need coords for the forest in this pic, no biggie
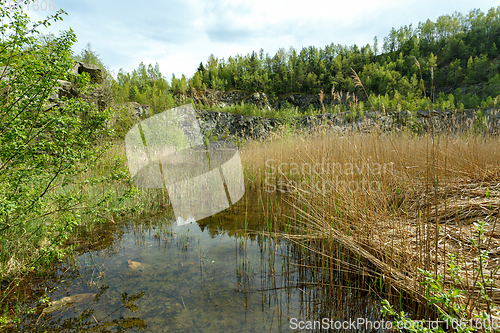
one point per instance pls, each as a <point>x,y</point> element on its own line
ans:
<point>446,64</point>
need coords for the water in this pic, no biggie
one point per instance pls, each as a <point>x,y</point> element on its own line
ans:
<point>210,276</point>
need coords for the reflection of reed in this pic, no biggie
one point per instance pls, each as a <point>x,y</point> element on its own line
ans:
<point>287,270</point>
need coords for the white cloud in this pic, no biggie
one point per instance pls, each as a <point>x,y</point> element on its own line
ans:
<point>179,34</point>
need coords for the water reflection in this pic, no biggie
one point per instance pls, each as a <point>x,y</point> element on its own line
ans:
<point>208,276</point>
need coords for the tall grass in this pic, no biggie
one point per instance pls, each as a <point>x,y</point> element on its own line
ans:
<point>381,206</point>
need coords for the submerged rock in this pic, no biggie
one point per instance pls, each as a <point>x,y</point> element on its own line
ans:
<point>135,265</point>
<point>65,301</point>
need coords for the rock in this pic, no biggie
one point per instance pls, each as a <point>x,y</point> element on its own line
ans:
<point>80,298</point>
<point>66,89</point>
<point>139,110</point>
<point>94,71</point>
<point>136,266</point>
<point>133,264</point>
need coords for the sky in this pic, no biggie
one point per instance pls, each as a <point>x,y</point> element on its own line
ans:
<point>179,34</point>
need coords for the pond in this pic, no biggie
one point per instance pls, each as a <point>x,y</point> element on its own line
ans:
<point>209,276</point>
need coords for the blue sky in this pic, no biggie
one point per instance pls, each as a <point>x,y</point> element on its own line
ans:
<point>179,34</point>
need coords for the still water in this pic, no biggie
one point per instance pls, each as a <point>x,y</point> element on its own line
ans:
<point>209,276</point>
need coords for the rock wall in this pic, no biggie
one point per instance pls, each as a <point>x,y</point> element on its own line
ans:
<point>222,125</point>
<point>263,101</point>
<point>211,97</point>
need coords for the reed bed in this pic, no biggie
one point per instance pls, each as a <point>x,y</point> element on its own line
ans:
<point>381,206</point>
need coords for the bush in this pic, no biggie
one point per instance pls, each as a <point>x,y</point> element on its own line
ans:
<point>44,146</point>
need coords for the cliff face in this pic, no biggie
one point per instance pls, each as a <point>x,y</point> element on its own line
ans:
<point>211,97</point>
<point>100,96</point>
<point>222,125</point>
<point>218,125</point>
<point>261,100</point>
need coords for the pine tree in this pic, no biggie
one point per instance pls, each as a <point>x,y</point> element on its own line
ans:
<point>493,50</point>
<point>196,81</point>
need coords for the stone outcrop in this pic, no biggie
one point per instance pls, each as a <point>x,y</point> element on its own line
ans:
<point>223,125</point>
<point>263,101</point>
<point>139,110</point>
<point>94,71</point>
<point>69,89</point>
<point>65,89</point>
<point>211,97</point>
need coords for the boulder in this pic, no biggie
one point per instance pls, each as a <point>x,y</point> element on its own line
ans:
<point>260,100</point>
<point>67,301</point>
<point>66,89</point>
<point>94,71</point>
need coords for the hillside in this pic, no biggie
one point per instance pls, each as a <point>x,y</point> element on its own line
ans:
<point>450,63</point>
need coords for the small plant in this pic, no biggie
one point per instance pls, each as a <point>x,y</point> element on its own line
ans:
<point>358,83</point>
<point>321,98</point>
<point>480,122</point>
<point>453,312</point>
<point>351,116</point>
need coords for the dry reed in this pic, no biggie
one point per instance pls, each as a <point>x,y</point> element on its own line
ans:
<point>394,202</point>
